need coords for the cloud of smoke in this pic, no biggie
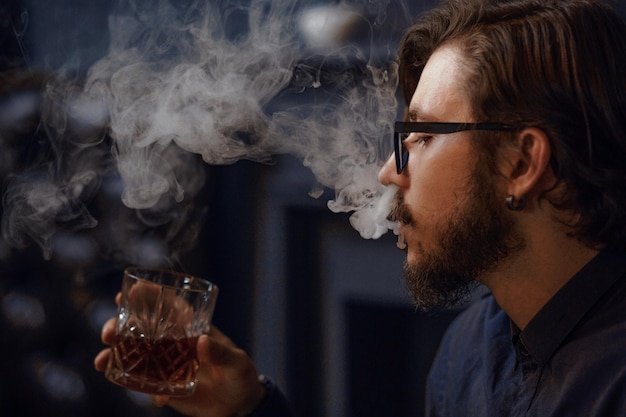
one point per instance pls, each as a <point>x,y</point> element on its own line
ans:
<point>225,81</point>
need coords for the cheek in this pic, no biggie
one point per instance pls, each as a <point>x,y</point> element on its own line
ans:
<point>437,186</point>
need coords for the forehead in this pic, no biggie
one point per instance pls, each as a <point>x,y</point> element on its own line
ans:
<point>441,94</point>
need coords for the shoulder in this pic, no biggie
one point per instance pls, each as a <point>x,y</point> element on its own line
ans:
<point>481,318</point>
<point>596,356</point>
<point>481,328</point>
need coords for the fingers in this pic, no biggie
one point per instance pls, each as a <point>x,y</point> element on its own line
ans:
<point>216,353</point>
<point>101,360</point>
<point>160,400</point>
<point>107,335</point>
<point>203,350</point>
<point>214,348</point>
<point>212,351</point>
<point>108,332</point>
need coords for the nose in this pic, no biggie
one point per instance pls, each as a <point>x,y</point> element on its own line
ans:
<point>389,175</point>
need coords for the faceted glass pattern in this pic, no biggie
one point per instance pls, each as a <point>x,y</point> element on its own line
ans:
<point>161,315</point>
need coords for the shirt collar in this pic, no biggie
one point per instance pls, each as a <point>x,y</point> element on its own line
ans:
<point>551,325</point>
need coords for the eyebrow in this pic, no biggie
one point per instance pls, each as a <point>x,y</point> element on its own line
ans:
<point>412,115</point>
<point>415,115</point>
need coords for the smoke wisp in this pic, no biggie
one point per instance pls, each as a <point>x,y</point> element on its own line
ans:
<point>224,81</point>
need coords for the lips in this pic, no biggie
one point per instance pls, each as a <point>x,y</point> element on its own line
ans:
<point>401,243</point>
<point>400,214</point>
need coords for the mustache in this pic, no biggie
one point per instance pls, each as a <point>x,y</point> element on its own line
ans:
<point>400,211</point>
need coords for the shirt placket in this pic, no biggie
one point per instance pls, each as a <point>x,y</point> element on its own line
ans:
<point>531,373</point>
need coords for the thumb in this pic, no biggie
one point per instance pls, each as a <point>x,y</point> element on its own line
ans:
<point>216,353</point>
<point>204,357</point>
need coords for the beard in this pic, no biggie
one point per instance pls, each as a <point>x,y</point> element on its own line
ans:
<point>478,234</point>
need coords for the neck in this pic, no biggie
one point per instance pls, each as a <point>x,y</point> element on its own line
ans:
<point>527,281</point>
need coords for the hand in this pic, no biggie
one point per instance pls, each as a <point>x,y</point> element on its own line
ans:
<point>227,378</point>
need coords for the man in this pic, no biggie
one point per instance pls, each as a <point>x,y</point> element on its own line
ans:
<point>530,203</point>
<point>511,174</point>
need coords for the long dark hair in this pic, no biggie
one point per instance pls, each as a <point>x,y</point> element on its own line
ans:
<point>559,65</point>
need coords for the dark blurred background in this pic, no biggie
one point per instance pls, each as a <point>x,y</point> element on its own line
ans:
<point>320,309</point>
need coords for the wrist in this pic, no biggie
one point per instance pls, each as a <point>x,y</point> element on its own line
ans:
<point>264,387</point>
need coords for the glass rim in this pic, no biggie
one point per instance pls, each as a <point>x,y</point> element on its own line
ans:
<point>178,280</point>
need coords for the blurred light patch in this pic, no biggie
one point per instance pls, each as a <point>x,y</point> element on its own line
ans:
<point>74,248</point>
<point>61,382</point>
<point>99,312</point>
<point>113,187</point>
<point>329,26</point>
<point>18,107</point>
<point>141,399</point>
<point>87,114</point>
<point>23,310</point>
<point>149,252</point>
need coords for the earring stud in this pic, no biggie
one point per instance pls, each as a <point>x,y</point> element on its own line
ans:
<point>515,206</point>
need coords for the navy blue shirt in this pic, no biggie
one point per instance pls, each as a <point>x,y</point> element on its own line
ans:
<point>570,360</point>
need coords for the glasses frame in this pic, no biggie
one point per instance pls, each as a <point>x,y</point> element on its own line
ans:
<point>402,130</point>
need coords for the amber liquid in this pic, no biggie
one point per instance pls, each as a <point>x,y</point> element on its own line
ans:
<point>165,366</point>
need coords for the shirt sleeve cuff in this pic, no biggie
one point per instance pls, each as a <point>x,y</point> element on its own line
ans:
<point>274,404</point>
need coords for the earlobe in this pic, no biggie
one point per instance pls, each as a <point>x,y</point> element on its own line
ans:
<point>515,205</point>
<point>530,163</point>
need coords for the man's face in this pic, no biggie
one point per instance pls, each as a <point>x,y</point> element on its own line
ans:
<point>478,233</point>
<point>455,225</point>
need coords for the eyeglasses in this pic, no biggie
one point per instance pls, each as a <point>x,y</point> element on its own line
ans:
<point>402,131</point>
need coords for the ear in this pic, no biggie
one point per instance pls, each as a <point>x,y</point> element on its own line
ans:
<point>528,168</point>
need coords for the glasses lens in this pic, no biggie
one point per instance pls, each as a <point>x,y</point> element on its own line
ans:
<point>401,154</point>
